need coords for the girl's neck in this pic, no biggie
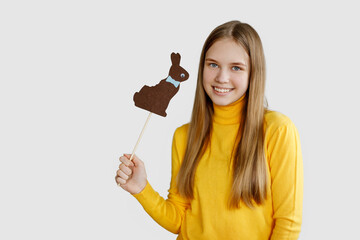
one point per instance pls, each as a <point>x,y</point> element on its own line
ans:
<point>229,114</point>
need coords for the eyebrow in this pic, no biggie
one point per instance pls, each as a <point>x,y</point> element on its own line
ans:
<point>233,63</point>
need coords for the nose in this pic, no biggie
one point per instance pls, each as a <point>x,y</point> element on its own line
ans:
<point>222,76</point>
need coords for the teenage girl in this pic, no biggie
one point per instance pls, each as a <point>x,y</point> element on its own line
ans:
<point>237,168</point>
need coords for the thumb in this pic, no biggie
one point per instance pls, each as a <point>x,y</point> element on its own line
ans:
<point>135,159</point>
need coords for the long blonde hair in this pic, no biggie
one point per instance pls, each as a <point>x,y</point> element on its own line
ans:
<point>249,166</point>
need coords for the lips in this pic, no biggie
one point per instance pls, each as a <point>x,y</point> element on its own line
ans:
<point>222,90</point>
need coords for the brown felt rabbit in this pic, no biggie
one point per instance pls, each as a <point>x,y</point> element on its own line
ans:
<point>156,99</point>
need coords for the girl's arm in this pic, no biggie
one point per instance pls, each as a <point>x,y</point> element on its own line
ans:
<point>286,170</point>
<point>170,212</point>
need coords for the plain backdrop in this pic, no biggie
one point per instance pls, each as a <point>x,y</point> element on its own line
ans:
<point>69,69</point>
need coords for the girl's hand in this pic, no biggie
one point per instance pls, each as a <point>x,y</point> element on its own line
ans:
<point>131,175</point>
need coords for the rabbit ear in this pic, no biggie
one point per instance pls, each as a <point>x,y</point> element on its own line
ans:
<point>175,58</point>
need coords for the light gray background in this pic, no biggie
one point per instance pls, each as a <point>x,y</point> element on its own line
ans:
<point>68,70</point>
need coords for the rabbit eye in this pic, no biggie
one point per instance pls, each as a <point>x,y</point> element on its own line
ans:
<point>182,75</point>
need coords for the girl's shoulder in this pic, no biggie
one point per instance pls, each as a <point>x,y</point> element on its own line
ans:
<point>180,139</point>
<point>274,121</point>
<point>281,138</point>
<point>181,132</point>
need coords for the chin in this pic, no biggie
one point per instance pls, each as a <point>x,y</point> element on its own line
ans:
<point>222,102</point>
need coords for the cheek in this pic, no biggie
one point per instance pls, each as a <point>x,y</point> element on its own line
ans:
<point>207,76</point>
<point>206,82</point>
<point>242,81</point>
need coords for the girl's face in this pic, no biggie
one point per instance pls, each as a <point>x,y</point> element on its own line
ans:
<point>226,72</point>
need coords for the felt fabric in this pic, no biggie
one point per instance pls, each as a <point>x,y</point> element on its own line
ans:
<point>157,98</point>
<point>207,215</point>
<point>174,82</point>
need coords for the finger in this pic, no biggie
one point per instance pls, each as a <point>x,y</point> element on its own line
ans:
<point>131,168</point>
<point>122,175</point>
<point>137,161</point>
<point>120,181</point>
<point>125,169</point>
<point>128,156</point>
<point>126,161</point>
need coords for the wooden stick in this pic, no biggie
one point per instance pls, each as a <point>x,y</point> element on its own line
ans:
<point>142,132</point>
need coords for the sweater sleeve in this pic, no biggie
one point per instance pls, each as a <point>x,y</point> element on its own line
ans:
<point>170,212</point>
<point>286,172</point>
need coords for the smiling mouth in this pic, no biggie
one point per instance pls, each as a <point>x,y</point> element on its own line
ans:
<point>222,90</point>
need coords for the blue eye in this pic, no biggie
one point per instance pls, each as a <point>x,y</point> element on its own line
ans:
<point>236,68</point>
<point>213,65</point>
<point>182,75</point>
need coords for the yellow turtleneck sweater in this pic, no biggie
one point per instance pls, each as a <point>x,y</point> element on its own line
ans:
<point>207,216</point>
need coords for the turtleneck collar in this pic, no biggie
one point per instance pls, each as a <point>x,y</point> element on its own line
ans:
<point>229,114</point>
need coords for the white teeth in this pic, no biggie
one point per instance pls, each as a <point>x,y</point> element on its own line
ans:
<point>221,90</point>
